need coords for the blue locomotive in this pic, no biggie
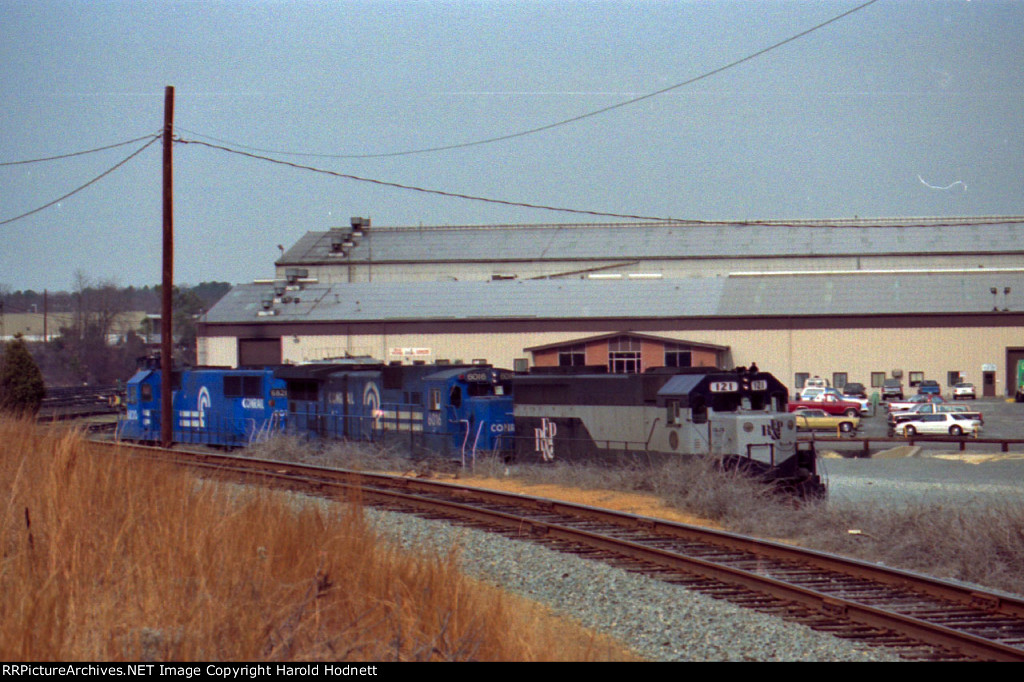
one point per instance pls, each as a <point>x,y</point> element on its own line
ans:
<point>221,407</point>
<point>455,411</point>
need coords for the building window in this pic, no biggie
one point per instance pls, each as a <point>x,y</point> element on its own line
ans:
<point>916,378</point>
<point>573,356</point>
<point>678,356</point>
<point>838,379</point>
<point>624,356</point>
<point>953,378</point>
<point>800,378</point>
<point>877,379</point>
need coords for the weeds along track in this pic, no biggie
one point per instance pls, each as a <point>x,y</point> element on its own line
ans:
<point>916,616</point>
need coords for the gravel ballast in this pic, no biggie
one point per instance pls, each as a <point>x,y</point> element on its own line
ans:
<point>659,621</point>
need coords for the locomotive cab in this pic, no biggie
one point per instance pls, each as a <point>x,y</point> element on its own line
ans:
<point>468,410</point>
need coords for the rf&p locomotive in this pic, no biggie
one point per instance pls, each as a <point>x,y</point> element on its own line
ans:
<point>738,417</point>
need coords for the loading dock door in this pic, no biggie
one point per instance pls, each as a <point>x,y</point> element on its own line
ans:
<point>259,352</point>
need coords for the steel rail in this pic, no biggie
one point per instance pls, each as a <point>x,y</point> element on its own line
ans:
<point>825,576</point>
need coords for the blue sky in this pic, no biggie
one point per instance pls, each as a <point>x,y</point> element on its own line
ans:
<point>904,108</point>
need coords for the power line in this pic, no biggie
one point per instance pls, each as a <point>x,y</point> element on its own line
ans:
<point>68,156</point>
<point>567,121</point>
<point>93,181</point>
<point>976,221</point>
<point>414,188</point>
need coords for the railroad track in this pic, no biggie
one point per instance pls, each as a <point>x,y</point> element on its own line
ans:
<point>916,616</point>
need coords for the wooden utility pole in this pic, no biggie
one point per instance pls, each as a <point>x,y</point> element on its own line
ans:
<point>167,308</point>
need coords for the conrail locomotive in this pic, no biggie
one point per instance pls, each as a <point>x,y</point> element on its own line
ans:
<point>458,412</point>
<point>454,411</point>
<point>738,417</point>
<point>223,407</point>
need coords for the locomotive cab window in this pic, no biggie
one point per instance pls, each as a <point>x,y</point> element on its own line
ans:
<point>455,397</point>
<point>672,413</point>
<point>237,386</point>
<point>147,392</point>
<point>698,410</point>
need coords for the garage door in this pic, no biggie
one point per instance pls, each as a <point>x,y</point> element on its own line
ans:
<point>259,352</point>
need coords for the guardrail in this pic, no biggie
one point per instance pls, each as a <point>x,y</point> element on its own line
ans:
<point>962,441</point>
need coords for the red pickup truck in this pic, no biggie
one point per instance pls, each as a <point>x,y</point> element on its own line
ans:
<point>829,403</point>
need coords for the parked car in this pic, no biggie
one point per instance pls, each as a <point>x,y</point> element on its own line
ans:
<point>855,390</point>
<point>820,395</point>
<point>892,388</point>
<point>896,418</point>
<point>827,402</point>
<point>951,423</point>
<point>819,420</point>
<point>964,391</point>
<point>929,387</point>
<point>914,401</point>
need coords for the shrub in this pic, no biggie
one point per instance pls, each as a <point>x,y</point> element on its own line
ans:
<point>21,383</point>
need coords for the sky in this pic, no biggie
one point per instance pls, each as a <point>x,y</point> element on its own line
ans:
<point>902,108</point>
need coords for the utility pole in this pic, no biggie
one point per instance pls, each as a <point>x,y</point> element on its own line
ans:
<point>166,312</point>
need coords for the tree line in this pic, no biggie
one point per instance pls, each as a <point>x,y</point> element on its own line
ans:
<point>93,346</point>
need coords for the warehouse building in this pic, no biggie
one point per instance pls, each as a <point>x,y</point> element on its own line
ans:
<point>849,301</point>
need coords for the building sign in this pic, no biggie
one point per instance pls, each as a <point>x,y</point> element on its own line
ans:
<point>410,352</point>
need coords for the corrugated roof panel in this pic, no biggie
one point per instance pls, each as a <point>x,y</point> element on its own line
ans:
<point>756,295</point>
<point>627,241</point>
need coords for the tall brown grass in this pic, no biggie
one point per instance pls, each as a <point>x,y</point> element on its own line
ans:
<point>110,558</point>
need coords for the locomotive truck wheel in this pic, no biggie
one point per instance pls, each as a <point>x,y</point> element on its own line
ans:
<point>955,431</point>
<point>909,431</point>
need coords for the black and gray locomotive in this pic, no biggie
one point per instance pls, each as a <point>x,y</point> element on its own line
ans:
<point>738,417</point>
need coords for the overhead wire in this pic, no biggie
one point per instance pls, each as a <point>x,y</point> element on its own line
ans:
<point>96,179</point>
<point>841,222</point>
<point>384,183</point>
<point>82,153</point>
<point>556,124</point>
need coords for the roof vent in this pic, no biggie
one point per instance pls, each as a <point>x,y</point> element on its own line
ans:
<point>293,275</point>
<point>359,226</point>
<point>267,301</point>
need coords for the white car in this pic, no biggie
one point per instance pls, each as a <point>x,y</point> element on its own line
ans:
<point>944,423</point>
<point>911,403</point>
<point>964,391</point>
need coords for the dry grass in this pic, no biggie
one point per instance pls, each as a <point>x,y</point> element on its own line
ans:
<point>982,544</point>
<point>112,559</point>
<point>974,543</point>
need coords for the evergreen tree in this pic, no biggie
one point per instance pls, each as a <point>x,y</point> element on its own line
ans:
<point>21,382</point>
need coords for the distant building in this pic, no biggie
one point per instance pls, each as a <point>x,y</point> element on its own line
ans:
<point>863,300</point>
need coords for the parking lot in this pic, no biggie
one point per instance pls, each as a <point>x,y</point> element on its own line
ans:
<point>1002,420</point>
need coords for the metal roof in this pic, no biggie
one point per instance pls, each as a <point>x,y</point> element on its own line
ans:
<point>732,296</point>
<point>627,241</point>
